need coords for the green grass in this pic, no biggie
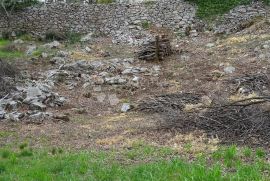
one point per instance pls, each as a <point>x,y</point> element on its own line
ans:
<point>8,54</point>
<point>105,1</point>
<point>4,42</point>
<point>25,165</point>
<point>146,25</point>
<point>208,9</point>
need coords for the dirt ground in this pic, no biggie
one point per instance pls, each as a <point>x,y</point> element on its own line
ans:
<point>194,68</point>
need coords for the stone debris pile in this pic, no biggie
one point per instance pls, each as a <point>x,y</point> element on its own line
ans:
<point>100,72</point>
<point>31,102</point>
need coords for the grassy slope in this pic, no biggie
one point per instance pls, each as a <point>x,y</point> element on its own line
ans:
<point>224,164</point>
<point>208,9</point>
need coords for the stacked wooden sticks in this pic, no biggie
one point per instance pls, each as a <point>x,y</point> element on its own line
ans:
<point>156,49</point>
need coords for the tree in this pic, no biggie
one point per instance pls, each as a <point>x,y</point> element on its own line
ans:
<point>9,6</point>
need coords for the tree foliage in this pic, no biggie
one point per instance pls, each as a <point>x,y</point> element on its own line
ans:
<point>13,5</point>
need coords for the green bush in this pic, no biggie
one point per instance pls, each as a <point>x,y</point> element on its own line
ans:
<point>6,35</point>
<point>70,37</point>
<point>55,35</point>
<point>73,38</point>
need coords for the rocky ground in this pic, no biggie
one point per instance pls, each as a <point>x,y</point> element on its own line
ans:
<point>89,95</point>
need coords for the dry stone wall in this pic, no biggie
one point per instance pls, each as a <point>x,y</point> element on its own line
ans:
<point>240,17</point>
<point>108,19</point>
<point>123,22</point>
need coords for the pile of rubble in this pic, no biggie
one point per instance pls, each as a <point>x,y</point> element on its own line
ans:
<point>30,102</point>
<point>131,37</point>
<point>89,73</point>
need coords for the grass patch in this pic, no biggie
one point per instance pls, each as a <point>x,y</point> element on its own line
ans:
<point>93,165</point>
<point>146,25</point>
<point>73,38</point>
<point>105,1</point>
<point>149,3</point>
<point>5,54</point>
<point>3,43</point>
<point>208,9</point>
<point>4,134</point>
<point>70,37</point>
<point>10,55</point>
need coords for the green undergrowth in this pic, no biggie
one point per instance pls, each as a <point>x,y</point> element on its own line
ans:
<point>8,53</point>
<point>139,162</point>
<point>208,9</point>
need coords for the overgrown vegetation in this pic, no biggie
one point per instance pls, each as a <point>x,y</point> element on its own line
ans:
<point>7,51</point>
<point>10,5</point>
<point>149,3</point>
<point>7,35</point>
<point>105,1</point>
<point>70,37</point>
<point>211,8</point>
<point>146,25</point>
<point>228,163</point>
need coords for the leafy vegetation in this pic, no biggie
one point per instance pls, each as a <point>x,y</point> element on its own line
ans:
<point>73,38</point>
<point>210,8</point>
<point>225,164</point>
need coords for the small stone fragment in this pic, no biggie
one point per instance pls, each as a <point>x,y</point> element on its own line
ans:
<point>229,69</point>
<point>126,107</point>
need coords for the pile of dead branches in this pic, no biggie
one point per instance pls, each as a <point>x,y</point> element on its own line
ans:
<point>258,82</point>
<point>155,49</point>
<point>164,102</point>
<point>242,122</point>
<point>246,121</point>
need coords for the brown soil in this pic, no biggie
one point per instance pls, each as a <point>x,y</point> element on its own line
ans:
<point>195,69</point>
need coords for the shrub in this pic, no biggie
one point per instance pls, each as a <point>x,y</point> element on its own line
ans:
<point>73,37</point>
<point>26,37</point>
<point>6,35</point>
<point>55,35</point>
